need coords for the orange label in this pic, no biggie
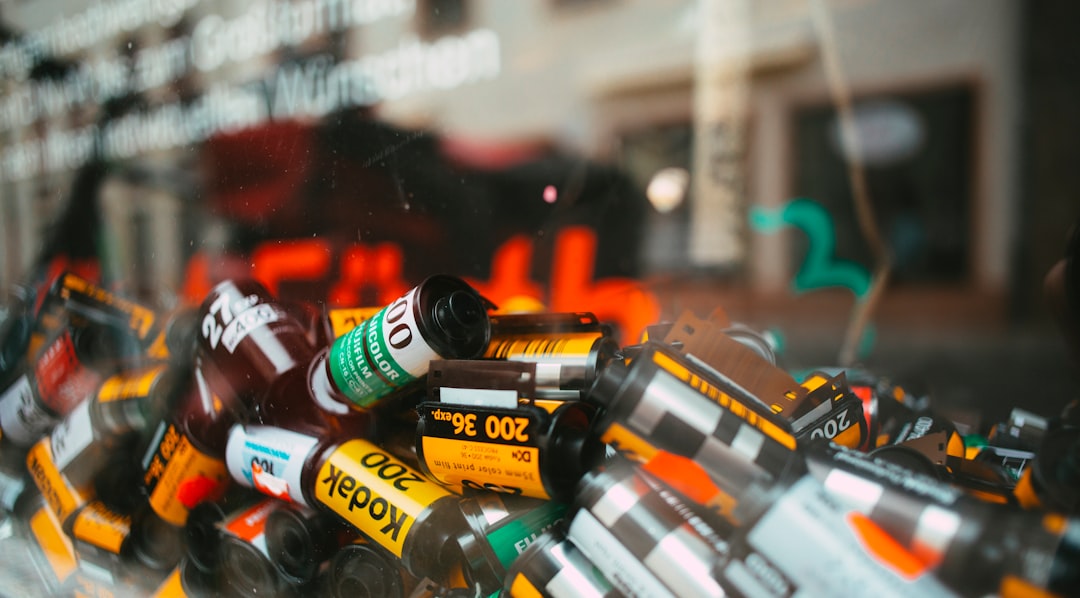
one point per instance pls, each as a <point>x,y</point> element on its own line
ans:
<point>376,493</point>
<point>129,385</point>
<point>851,437</point>
<point>885,548</point>
<point>54,544</point>
<point>62,497</point>
<point>689,478</point>
<point>99,526</point>
<point>252,522</point>
<point>501,467</point>
<point>179,476</point>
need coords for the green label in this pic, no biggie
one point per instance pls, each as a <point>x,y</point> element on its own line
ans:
<point>511,539</point>
<point>374,359</point>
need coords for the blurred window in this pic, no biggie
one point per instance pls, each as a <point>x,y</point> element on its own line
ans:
<point>917,152</point>
<point>649,155</point>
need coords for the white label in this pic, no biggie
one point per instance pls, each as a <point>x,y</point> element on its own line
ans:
<point>479,397</point>
<point>548,374</point>
<point>617,564</point>
<point>806,536</point>
<point>22,420</point>
<point>73,435</point>
<point>268,459</point>
<point>248,320</point>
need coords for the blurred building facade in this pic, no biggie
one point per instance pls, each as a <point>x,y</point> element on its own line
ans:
<point>736,101</point>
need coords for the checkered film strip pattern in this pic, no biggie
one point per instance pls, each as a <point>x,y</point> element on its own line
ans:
<point>945,527</point>
<point>685,413</point>
<point>663,551</point>
<point>918,512</point>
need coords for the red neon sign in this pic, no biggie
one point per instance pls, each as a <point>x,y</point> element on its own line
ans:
<point>622,301</point>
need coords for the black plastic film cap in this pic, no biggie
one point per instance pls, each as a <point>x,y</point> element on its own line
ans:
<point>358,571</point>
<point>182,334</point>
<point>461,315</point>
<point>202,540</point>
<point>297,544</point>
<point>246,570</point>
<point>157,544</point>
<point>607,384</point>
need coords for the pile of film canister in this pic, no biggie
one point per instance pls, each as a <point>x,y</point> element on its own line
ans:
<point>435,447</point>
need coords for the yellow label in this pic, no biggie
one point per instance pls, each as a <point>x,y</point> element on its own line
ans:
<point>376,493</point>
<point>523,588</point>
<point>851,437</point>
<point>540,346</point>
<point>485,465</point>
<point>141,317</point>
<point>180,476</point>
<point>549,405</point>
<point>724,400</point>
<point>129,385</point>
<point>62,497</point>
<point>158,349</point>
<point>344,320</point>
<point>172,587</point>
<point>628,443</point>
<point>101,527</point>
<point>54,544</point>
<point>955,448</point>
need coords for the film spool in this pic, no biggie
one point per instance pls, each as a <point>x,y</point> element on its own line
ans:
<point>154,542</point>
<point>553,566</point>
<point>501,527</point>
<point>442,318</point>
<point>640,542</point>
<point>300,540</point>
<point>247,571</point>
<point>663,401</point>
